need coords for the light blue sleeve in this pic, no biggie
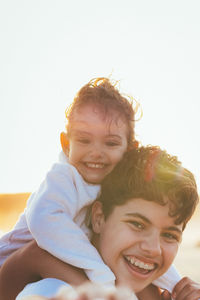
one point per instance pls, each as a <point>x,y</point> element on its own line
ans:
<point>47,287</point>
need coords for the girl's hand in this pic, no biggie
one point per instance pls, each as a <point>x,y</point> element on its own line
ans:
<point>166,295</point>
<point>185,289</point>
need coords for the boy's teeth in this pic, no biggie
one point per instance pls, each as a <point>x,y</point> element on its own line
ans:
<point>93,165</point>
<point>140,264</point>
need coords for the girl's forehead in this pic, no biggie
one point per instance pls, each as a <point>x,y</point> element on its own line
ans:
<point>98,111</point>
<point>96,116</point>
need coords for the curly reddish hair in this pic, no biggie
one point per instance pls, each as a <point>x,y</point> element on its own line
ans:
<point>104,94</point>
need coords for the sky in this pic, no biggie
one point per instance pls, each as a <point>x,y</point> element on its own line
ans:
<point>50,49</point>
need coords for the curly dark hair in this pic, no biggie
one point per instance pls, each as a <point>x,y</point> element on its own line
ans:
<point>151,174</point>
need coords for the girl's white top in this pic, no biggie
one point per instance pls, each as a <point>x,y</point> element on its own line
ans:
<point>54,217</point>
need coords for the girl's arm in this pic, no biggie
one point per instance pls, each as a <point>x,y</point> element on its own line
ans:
<point>50,218</point>
<point>30,264</point>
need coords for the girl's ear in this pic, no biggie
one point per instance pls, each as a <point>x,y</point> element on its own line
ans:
<point>64,142</point>
<point>97,217</point>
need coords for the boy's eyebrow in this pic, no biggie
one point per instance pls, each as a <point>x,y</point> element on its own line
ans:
<point>171,228</point>
<point>174,228</point>
<point>140,216</point>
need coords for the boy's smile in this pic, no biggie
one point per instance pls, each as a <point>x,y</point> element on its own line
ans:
<point>138,241</point>
<point>96,142</point>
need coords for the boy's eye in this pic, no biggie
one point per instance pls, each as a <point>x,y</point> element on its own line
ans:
<point>137,224</point>
<point>171,237</point>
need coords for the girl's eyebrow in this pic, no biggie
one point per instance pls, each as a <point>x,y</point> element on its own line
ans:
<point>171,228</point>
<point>88,133</point>
<point>80,131</point>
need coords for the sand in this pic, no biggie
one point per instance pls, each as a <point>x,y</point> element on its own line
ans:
<point>188,257</point>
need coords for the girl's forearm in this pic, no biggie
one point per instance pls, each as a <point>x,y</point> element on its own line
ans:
<point>30,264</point>
<point>50,266</point>
<point>14,275</point>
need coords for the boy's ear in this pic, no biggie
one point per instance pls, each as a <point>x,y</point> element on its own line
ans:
<point>97,217</point>
<point>64,142</point>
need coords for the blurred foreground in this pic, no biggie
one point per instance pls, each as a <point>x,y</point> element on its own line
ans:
<point>187,260</point>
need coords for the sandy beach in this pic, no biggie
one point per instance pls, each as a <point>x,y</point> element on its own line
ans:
<point>187,260</point>
<point>188,257</point>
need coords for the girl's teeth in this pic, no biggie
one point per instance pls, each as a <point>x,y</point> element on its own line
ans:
<point>96,166</point>
<point>140,264</point>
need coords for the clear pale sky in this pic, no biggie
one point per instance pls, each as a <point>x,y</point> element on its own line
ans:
<point>49,49</point>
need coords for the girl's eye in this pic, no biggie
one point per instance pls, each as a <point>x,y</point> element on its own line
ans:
<point>83,141</point>
<point>112,143</point>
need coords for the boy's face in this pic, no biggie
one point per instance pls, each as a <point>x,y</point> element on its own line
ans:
<point>138,241</point>
<point>96,143</point>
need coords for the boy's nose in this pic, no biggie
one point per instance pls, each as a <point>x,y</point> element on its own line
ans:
<point>151,245</point>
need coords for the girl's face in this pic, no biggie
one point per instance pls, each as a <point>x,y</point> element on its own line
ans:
<point>96,142</point>
<point>138,241</point>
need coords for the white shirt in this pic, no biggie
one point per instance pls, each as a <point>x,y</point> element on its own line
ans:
<point>55,217</point>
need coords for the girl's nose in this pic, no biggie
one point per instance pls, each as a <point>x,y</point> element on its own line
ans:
<point>96,152</point>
